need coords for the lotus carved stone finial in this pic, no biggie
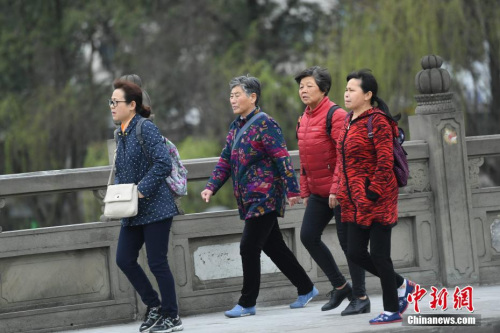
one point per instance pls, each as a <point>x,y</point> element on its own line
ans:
<point>432,79</point>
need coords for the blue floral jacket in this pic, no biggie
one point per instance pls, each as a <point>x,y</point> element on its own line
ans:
<point>132,166</point>
<point>260,167</point>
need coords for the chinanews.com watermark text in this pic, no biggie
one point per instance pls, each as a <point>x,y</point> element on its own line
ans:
<point>462,299</point>
<point>441,320</point>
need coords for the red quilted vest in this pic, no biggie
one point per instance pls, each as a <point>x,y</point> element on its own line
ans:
<point>317,151</point>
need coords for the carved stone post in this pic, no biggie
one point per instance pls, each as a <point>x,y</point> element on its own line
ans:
<point>2,205</point>
<point>438,122</point>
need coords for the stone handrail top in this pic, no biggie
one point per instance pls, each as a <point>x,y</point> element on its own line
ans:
<point>95,178</point>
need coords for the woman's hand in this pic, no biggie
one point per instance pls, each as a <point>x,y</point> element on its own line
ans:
<point>292,201</point>
<point>206,194</point>
<point>332,201</point>
<point>306,199</point>
<point>140,195</point>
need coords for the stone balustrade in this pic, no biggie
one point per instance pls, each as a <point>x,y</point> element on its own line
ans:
<point>448,234</point>
<point>59,277</point>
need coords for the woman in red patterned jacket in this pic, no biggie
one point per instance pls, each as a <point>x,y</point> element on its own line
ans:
<point>368,191</point>
<point>318,155</point>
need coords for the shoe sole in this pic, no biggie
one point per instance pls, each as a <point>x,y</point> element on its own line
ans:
<point>387,322</point>
<point>241,315</point>
<point>173,329</point>
<point>148,329</point>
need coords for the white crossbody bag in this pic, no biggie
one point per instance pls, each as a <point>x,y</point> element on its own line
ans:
<point>121,200</point>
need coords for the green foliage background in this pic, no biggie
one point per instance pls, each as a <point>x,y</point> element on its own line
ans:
<point>58,59</point>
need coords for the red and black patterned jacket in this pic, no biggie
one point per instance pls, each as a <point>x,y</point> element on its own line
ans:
<point>367,187</point>
<point>317,151</point>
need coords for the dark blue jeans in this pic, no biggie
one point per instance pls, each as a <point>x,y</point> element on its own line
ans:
<point>155,236</point>
<point>316,217</point>
<point>263,234</point>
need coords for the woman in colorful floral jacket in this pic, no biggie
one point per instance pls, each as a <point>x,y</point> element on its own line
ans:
<point>256,158</point>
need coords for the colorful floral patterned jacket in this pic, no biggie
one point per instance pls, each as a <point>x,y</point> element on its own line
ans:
<point>260,167</point>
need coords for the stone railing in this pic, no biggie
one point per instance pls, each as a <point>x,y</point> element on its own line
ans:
<point>62,277</point>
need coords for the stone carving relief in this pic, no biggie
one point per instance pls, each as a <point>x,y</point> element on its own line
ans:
<point>419,178</point>
<point>474,166</point>
<point>495,234</point>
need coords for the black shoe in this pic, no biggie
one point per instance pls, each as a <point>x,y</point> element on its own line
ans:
<point>151,317</point>
<point>337,296</point>
<point>167,324</point>
<point>357,306</point>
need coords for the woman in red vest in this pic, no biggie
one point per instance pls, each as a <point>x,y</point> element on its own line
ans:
<point>317,136</point>
<point>368,191</point>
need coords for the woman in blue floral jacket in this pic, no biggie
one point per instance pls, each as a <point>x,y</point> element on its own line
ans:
<point>151,225</point>
<point>263,177</point>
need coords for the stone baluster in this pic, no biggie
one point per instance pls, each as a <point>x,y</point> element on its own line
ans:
<point>438,122</point>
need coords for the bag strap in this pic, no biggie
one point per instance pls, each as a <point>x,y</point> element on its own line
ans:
<point>112,173</point>
<point>140,139</point>
<point>245,127</point>
<point>297,127</point>
<point>329,117</point>
<point>369,126</point>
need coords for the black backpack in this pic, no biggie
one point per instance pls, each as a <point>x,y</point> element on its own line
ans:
<point>329,117</point>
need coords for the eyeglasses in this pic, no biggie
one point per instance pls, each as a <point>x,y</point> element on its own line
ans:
<point>113,103</point>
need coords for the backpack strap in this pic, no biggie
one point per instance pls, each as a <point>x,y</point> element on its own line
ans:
<point>369,126</point>
<point>329,117</point>
<point>297,127</point>
<point>140,139</point>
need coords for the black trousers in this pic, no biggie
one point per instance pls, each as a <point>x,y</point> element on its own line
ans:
<point>316,217</point>
<point>377,261</point>
<point>263,234</point>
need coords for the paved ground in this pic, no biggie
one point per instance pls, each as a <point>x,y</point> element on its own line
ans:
<point>486,302</point>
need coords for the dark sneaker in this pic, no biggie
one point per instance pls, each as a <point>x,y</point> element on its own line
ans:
<point>167,324</point>
<point>337,296</point>
<point>386,319</point>
<point>357,306</point>
<point>403,301</point>
<point>150,319</point>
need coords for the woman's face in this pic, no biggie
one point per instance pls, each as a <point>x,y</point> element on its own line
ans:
<point>240,102</point>
<point>122,111</point>
<point>354,97</point>
<point>309,92</point>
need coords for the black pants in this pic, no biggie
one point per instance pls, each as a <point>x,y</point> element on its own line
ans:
<point>155,236</point>
<point>263,234</point>
<point>378,261</point>
<point>316,217</point>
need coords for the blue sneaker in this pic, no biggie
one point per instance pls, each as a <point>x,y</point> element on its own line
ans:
<point>302,300</point>
<point>386,319</point>
<point>239,311</point>
<point>403,301</point>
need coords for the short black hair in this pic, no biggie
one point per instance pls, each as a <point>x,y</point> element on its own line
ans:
<point>249,84</point>
<point>321,76</point>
